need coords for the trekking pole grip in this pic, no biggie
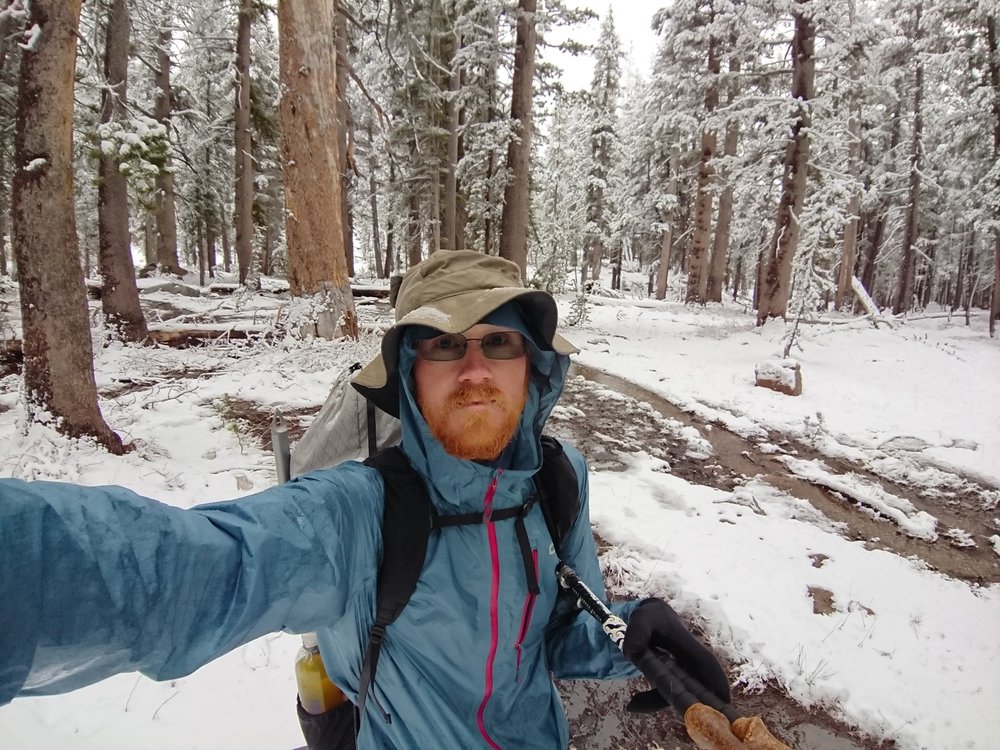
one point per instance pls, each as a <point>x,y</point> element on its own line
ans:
<point>707,718</point>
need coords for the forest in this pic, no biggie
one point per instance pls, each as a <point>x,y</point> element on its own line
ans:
<point>800,156</point>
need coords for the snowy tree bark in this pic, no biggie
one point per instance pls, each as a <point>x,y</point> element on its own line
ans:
<point>243,145</point>
<point>345,142</point>
<point>58,353</point>
<point>311,158</point>
<point>849,255</point>
<point>668,219</point>
<point>514,220</point>
<point>777,273</point>
<point>904,282</point>
<point>380,269</point>
<point>166,215</point>
<point>119,295</point>
<point>723,222</point>
<point>697,265</point>
<point>993,45</point>
<point>449,224</point>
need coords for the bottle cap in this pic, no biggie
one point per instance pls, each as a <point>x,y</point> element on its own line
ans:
<point>309,641</point>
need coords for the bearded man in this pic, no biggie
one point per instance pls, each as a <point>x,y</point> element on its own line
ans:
<point>472,367</point>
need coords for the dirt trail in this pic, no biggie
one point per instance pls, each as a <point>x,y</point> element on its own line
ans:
<point>606,417</point>
<point>735,459</point>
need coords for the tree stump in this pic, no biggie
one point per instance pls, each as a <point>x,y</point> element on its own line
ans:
<point>781,375</point>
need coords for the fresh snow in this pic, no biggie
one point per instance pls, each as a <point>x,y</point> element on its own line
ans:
<point>906,653</point>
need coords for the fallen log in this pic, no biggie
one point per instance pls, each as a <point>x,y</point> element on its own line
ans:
<point>182,338</point>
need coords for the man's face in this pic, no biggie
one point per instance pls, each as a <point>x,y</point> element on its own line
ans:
<point>472,404</point>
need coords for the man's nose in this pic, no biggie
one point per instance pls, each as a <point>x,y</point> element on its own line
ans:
<point>475,366</point>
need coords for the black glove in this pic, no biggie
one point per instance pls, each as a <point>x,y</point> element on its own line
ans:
<point>654,626</point>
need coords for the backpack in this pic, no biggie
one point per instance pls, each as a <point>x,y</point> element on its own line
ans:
<point>347,427</point>
<point>352,424</point>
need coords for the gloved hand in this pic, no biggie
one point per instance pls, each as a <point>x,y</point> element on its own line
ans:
<point>654,625</point>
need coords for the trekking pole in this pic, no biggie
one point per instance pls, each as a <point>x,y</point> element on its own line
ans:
<point>712,723</point>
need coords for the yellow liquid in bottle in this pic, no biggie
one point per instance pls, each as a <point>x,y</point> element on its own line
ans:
<point>316,692</point>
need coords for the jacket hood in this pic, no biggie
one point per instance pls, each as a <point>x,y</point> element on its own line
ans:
<point>451,477</point>
<point>452,291</point>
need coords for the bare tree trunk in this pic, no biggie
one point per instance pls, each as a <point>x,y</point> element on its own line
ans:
<point>723,224</point>
<point>413,249</point>
<point>514,220</point>
<point>5,177</point>
<point>166,217</point>
<point>666,245</point>
<point>697,265</point>
<point>380,270</point>
<point>904,282</point>
<point>206,209</point>
<point>120,295</point>
<point>3,233</point>
<point>346,140</point>
<point>720,244</point>
<point>6,22</point>
<point>777,274</point>
<point>617,251</point>
<point>310,160</point>
<point>995,302</point>
<point>243,145</point>
<point>669,219</point>
<point>697,281</point>
<point>390,227</point>
<point>848,258</point>
<point>227,246</point>
<point>435,189</point>
<point>994,66</point>
<point>58,352</point>
<point>449,232</point>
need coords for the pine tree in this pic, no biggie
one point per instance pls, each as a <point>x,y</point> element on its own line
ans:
<point>605,90</point>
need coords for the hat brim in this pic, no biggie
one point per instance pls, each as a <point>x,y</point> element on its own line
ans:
<point>378,380</point>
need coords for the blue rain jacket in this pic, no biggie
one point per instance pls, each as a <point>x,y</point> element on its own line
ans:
<point>99,580</point>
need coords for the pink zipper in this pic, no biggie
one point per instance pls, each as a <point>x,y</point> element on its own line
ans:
<point>529,605</point>
<point>491,532</point>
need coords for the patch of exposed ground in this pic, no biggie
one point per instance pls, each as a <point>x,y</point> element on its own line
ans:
<point>960,504</point>
<point>253,422</point>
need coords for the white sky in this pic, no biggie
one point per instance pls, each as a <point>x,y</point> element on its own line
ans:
<point>632,21</point>
<point>908,654</point>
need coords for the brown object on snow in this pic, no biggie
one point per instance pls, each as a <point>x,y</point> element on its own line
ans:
<point>781,375</point>
<point>755,736</point>
<point>710,729</point>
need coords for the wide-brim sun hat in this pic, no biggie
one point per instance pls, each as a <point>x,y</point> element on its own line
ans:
<point>452,291</point>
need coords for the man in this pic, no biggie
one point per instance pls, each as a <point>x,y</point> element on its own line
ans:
<point>99,580</point>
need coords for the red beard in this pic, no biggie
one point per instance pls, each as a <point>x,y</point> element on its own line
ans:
<point>475,434</point>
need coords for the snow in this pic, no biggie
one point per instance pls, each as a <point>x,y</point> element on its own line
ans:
<point>906,653</point>
<point>32,37</point>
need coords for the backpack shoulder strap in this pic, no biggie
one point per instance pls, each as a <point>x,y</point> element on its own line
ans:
<point>558,490</point>
<point>407,520</point>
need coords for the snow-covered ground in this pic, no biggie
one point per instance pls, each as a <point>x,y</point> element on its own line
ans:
<point>906,653</point>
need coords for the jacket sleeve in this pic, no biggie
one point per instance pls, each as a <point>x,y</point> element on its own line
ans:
<point>99,580</point>
<point>577,646</point>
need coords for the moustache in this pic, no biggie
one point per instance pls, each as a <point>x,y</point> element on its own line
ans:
<point>469,393</point>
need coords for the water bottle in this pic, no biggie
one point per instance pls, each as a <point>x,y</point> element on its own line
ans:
<point>316,693</point>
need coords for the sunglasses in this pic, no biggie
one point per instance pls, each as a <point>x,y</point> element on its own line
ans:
<point>452,346</point>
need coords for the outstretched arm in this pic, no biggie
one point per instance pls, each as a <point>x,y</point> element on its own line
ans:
<point>99,580</point>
